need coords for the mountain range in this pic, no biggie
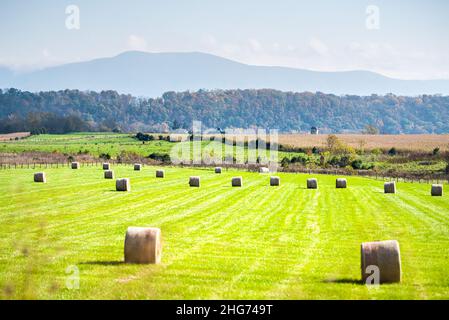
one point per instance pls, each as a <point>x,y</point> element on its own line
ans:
<point>152,74</point>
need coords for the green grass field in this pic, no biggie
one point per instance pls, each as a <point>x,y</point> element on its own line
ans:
<point>113,144</point>
<point>219,242</point>
<point>92,143</point>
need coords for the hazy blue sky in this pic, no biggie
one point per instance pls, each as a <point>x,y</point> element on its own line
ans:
<point>411,42</point>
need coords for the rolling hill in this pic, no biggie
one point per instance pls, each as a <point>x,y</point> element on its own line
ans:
<point>152,74</point>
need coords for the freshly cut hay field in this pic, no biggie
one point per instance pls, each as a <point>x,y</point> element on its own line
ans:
<point>253,242</point>
<point>415,142</point>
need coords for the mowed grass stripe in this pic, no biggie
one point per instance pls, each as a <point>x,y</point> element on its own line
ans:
<point>219,242</point>
<point>396,219</point>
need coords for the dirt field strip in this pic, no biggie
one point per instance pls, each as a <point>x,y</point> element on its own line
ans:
<point>416,142</point>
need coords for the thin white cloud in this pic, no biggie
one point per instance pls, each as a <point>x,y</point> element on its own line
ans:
<point>315,54</point>
<point>45,59</point>
<point>255,45</point>
<point>318,47</point>
<point>46,53</point>
<point>136,42</point>
<point>209,40</point>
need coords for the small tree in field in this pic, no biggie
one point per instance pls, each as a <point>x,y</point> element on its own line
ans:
<point>336,146</point>
<point>332,142</point>
<point>392,151</point>
<point>446,158</point>
<point>370,129</point>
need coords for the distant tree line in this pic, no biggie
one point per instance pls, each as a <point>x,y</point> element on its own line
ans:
<point>266,108</point>
<point>43,122</point>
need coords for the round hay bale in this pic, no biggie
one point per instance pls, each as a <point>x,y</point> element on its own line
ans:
<point>264,170</point>
<point>137,167</point>
<point>275,181</point>
<point>40,177</point>
<point>160,173</point>
<point>217,169</point>
<point>436,190</point>
<point>386,256</point>
<point>340,183</point>
<point>312,183</point>
<point>390,187</point>
<point>143,245</point>
<point>75,165</point>
<point>109,174</point>
<point>237,182</point>
<point>106,166</point>
<point>194,181</point>
<point>123,184</point>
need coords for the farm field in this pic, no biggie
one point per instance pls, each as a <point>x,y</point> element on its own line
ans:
<point>111,144</point>
<point>414,142</point>
<point>219,242</point>
<point>12,136</point>
<point>92,143</point>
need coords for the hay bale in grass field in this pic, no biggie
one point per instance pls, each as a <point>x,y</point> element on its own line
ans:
<point>312,183</point>
<point>340,183</point>
<point>160,173</point>
<point>109,174</point>
<point>123,184</point>
<point>384,255</point>
<point>436,190</point>
<point>237,182</point>
<point>40,177</point>
<point>106,166</point>
<point>275,181</point>
<point>194,181</point>
<point>143,245</point>
<point>137,166</point>
<point>217,169</point>
<point>75,165</point>
<point>390,187</point>
<point>264,170</point>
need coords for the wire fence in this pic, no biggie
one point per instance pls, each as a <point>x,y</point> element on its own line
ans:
<point>385,176</point>
<point>59,164</point>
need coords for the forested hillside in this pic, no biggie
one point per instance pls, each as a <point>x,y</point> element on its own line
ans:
<point>286,111</point>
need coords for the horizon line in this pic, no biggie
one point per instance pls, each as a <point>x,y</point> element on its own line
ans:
<point>30,68</point>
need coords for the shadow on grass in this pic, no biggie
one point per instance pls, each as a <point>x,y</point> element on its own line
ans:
<point>345,281</point>
<point>103,263</point>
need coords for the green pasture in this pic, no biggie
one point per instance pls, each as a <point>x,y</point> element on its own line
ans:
<point>219,242</point>
<point>114,144</point>
<point>89,143</point>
